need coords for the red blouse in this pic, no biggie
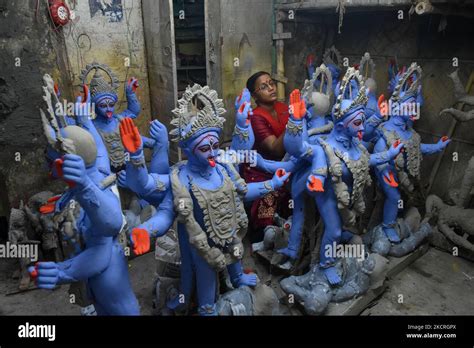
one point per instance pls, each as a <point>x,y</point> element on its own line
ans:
<point>264,125</point>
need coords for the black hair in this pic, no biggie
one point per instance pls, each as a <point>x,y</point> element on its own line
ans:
<point>253,80</point>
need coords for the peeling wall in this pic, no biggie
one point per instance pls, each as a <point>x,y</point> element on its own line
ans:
<point>94,36</point>
<point>27,35</point>
<point>246,27</point>
<point>160,50</point>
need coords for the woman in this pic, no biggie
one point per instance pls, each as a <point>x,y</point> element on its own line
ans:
<point>268,122</point>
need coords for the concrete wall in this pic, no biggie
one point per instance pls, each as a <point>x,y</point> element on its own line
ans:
<point>93,36</point>
<point>412,39</point>
<point>246,28</point>
<point>158,29</point>
<point>26,35</point>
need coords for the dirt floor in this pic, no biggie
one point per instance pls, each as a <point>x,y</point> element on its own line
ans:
<point>437,284</point>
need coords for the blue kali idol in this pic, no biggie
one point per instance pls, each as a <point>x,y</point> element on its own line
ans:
<point>339,167</point>
<point>104,98</point>
<point>152,184</point>
<point>206,197</point>
<point>403,109</point>
<point>74,156</point>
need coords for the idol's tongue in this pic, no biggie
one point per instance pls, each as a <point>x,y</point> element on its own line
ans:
<point>359,135</point>
<point>109,114</point>
<point>211,161</point>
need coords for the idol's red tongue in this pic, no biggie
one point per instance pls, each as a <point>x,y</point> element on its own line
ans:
<point>211,161</point>
<point>109,114</point>
<point>359,135</point>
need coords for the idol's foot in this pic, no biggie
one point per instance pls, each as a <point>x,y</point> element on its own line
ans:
<point>392,235</point>
<point>292,254</point>
<point>332,276</point>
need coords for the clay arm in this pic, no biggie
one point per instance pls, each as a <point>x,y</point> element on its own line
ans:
<point>159,163</point>
<point>384,168</point>
<point>150,187</point>
<point>272,166</point>
<point>259,189</point>
<point>295,137</point>
<point>461,116</point>
<point>243,137</point>
<point>372,123</point>
<point>455,238</point>
<point>319,170</point>
<point>159,160</point>
<point>321,130</point>
<point>82,112</point>
<point>429,149</point>
<point>382,157</point>
<point>100,205</point>
<point>133,105</point>
<point>296,128</point>
<point>419,97</point>
<point>161,222</point>
<point>89,263</point>
<point>148,142</point>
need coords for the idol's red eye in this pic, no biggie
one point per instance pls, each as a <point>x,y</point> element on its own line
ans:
<point>204,148</point>
<point>357,123</point>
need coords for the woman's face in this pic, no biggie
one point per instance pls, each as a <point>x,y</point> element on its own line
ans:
<point>265,90</point>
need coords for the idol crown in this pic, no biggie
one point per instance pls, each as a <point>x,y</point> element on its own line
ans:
<point>408,84</point>
<point>198,109</point>
<point>98,85</point>
<point>359,100</point>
